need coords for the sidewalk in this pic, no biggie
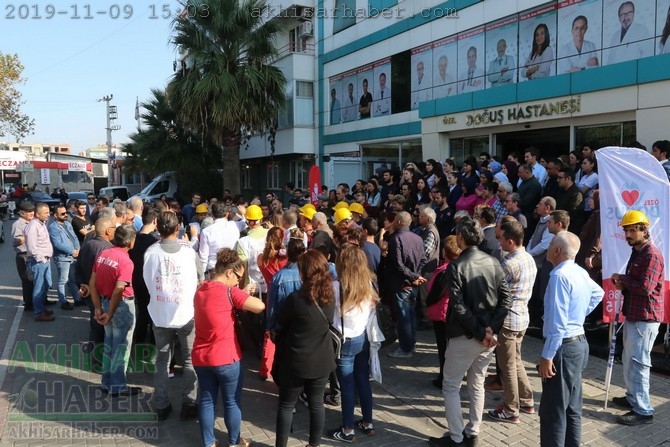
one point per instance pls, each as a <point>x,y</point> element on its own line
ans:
<point>44,404</point>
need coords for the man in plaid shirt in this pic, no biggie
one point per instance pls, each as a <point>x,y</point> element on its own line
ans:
<point>520,271</point>
<point>642,288</point>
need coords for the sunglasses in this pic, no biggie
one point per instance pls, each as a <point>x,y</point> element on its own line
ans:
<point>239,277</point>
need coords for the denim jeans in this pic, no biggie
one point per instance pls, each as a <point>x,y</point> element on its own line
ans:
<point>638,339</point>
<point>561,401</point>
<point>288,395</point>
<point>118,338</point>
<point>353,372</point>
<point>228,378</point>
<point>405,300</point>
<point>41,283</point>
<point>66,272</point>
<point>164,338</point>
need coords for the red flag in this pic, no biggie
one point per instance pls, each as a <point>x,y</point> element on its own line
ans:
<point>314,183</point>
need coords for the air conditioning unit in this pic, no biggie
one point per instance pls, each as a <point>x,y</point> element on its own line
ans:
<point>306,29</point>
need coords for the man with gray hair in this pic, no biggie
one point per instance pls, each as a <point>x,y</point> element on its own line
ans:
<point>322,235</point>
<point>504,189</point>
<point>431,247</point>
<point>137,206</point>
<point>120,209</point>
<point>570,296</point>
<point>480,300</point>
<point>405,261</point>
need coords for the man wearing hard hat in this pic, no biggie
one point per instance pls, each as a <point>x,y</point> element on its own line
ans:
<point>642,288</point>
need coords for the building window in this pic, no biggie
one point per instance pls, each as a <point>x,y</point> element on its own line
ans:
<point>344,15</point>
<point>462,148</point>
<point>245,177</point>
<point>273,175</point>
<point>603,135</point>
<point>304,103</point>
<point>285,114</point>
<point>299,174</point>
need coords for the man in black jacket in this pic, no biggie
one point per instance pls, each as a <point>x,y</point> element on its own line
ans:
<point>477,309</point>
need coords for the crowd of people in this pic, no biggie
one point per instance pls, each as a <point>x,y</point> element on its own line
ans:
<point>476,254</point>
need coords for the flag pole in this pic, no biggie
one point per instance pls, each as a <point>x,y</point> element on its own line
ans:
<point>137,112</point>
<point>614,329</point>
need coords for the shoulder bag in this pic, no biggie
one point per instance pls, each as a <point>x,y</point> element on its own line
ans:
<point>335,335</point>
<point>237,321</point>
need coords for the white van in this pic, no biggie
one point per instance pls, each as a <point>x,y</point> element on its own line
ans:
<point>165,183</point>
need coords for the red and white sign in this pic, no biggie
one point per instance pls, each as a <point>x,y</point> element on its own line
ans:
<point>45,176</point>
<point>76,166</point>
<point>631,179</point>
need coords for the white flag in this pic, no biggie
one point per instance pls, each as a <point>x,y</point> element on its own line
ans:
<point>631,179</point>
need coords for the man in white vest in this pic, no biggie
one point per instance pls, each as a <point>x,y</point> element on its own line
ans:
<point>172,273</point>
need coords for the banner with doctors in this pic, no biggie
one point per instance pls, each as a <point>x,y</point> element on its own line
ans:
<point>631,179</point>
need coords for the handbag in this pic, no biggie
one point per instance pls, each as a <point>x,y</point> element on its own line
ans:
<point>335,335</point>
<point>237,321</point>
<point>438,311</point>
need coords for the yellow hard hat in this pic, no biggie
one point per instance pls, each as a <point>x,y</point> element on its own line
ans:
<point>308,213</point>
<point>340,205</point>
<point>342,214</point>
<point>202,208</point>
<point>633,217</point>
<point>357,208</point>
<point>253,212</point>
<point>307,206</point>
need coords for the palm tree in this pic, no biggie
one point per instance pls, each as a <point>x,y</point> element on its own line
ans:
<point>162,144</point>
<point>227,88</point>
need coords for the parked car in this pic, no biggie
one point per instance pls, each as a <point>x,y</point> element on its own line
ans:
<point>38,196</point>
<point>77,195</point>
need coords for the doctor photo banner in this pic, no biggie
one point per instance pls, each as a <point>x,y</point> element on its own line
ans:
<point>631,179</point>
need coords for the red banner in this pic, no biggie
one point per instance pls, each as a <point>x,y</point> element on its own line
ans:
<point>314,183</point>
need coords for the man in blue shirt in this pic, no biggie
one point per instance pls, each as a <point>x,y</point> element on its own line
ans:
<point>570,296</point>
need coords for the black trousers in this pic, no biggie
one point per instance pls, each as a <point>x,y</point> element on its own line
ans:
<point>26,284</point>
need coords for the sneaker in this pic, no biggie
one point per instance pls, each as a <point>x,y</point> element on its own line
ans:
<point>170,373</point>
<point>633,418</point>
<point>340,435</point>
<point>400,354</point>
<point>527,410</point>
<point>67,306</point>
<point>163,413</point>
<point>368,429</point>
<point>499,415</point>
<point>622,401</point>
<point>303,398</point>
<point>331,399</point>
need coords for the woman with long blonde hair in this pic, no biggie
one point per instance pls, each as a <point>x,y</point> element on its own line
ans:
<point>353,308</point>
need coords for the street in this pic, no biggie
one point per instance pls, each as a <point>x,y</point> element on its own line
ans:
<point>49,395</point>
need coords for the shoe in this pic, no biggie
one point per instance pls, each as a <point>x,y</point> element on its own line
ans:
<point>44,317</point>
<point>527,410</point>
<point>622,401</point>
<point>104,391</point>
<point>48,312</point>
<point>444,441</point>
<point>243,443</point>
<point>331,399</point>
<point>80,303</point>
<point>130,391</point>
<point>171,373</point>
<point>437,383</point>
<point>67,306</point>
<point>633,418</point>
<point>163,413</point>
<point>188,412</point>
<point>340,435</point>
<point>303,398</point>
<point>50,303</point>
<point>493,386</point>
<point>470,441</point>
<point>400,354</point>
<point>499,415</point>
<point>368,429</point>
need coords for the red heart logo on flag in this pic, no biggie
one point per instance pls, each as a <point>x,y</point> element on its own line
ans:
<point>630,197</point>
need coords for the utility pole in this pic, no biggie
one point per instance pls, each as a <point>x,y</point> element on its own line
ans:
<point>111,116</point>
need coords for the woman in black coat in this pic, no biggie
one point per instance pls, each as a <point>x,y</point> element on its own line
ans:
<point>304,356</point>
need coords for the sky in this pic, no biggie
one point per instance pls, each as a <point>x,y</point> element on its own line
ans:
<point>69,64</point>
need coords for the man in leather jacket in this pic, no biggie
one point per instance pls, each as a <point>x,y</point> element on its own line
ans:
<point>479,303</point>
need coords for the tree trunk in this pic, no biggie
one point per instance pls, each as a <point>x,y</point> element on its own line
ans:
<point>231,168</point>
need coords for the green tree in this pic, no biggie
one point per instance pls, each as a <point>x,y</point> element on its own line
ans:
<point>12,121</point>
<point>162,144</point>
<point>227,88</point>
